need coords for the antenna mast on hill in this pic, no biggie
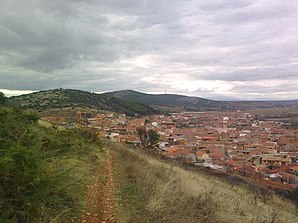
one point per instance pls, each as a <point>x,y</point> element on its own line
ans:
<point>165,91</point>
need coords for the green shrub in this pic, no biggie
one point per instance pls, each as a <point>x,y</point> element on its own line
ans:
<point>3,99</point>
<point>44,172</point>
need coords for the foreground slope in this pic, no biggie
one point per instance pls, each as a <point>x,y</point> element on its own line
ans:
<point>44,172</point>
<point>151,190</point>
<point>67,98</point>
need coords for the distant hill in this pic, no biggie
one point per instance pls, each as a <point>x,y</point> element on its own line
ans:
<point>170,102</point>
<point>249,105</point>
<point>173,102</point>
<point>67,98</point>
<point>135,103</point>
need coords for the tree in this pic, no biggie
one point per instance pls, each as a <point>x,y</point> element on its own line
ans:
<point>3,99</point>
<point>147,137</point>
<point>293,195</point>
<point>153,137</point>
<point>142,133</point>
<point>146,122</point>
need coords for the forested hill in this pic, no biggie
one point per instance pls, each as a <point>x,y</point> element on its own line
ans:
<point>127,101</point>
<point>173,102</point>
<point>170,101</point>
<point>134,103</point>
<point>67,98</point>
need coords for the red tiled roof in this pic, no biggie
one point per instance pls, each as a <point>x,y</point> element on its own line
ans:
<point>217,155</point>
<point>294,168</point>
<point>288,175</point>
<point>176,151</point>
<point>200,152</point>
<point>231,163</point>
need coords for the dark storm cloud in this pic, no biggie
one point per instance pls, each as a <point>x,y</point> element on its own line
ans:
<point>210,48</point>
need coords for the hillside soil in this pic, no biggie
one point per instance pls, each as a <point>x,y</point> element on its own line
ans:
<point>101,199</point>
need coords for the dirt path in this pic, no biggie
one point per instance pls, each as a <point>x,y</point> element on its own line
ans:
<point>101,198</point>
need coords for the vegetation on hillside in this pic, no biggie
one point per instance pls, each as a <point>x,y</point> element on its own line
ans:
<point>44,171</point>
<point>154,191</point>
<point>67,98</point>
<point>132,103</point>
<point>294,122</point>
<point>288,116</point>
<point>168,100</point>
<point>172,102</point>
<point>3,99</point>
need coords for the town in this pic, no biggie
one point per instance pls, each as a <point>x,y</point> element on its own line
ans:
<point>232,142</point>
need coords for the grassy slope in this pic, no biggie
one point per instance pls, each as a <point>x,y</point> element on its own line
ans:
<point>44,171</point>
<point>155,191</point>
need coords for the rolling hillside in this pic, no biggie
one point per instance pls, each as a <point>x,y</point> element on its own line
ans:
<point>66,98</point>
<point>135,103</point>
<point>170,101</point>
<point>173,102</point>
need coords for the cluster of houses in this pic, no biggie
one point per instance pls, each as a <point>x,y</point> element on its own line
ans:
<point>234,142</point>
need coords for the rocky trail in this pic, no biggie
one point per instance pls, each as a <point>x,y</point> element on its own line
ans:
<point>101,198</point>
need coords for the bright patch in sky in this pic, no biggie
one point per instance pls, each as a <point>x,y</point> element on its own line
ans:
<point>9,93</point>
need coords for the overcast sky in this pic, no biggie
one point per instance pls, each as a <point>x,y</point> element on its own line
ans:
<point>218,49</point>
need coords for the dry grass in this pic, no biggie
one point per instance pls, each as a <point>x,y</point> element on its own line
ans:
<point>171,194</point>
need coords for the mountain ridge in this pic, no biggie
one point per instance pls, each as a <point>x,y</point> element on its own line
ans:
<point>71,98</point>
<point>134,103</point>
<point>170,101</point>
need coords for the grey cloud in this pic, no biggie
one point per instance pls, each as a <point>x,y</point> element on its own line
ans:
<point>46,41</point>
<point>220,5</point>
<point>266,91</point>
<point>82,44</point>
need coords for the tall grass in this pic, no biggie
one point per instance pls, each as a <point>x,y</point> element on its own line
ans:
<point>172,194</point>
<point>43,171</point>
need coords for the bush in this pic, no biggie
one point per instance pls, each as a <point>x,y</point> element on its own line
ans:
<point>44,172</point>
<point>3,99</point>
<point>293,195</point>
